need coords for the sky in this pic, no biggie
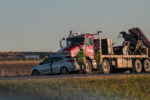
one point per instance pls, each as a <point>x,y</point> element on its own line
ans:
<point>38,25</point>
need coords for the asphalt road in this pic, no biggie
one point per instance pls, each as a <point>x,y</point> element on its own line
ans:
<point>71,76</point>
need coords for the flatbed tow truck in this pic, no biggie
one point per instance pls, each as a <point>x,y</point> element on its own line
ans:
<point>132,55</point>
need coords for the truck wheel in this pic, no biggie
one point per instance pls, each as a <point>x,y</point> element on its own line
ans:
<point>63,71</point>
<point>106,67</point>
<point>35,73</point>
<point>88,67</point>
<point>137,66</point>
<point>146,65</point>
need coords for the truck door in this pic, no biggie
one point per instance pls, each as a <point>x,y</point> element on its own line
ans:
<point>89,49</point>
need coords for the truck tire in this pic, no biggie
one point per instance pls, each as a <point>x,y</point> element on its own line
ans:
<point>35,73</point>
<point>63,71</point>
<point>88,67</point>
<point>106,68</point>
<point>146,65</point>
<point>137,66</point>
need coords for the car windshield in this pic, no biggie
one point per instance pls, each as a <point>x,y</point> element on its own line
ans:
<point>75,41</point>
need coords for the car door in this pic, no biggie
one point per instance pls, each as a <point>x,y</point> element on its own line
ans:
<point>45,67</point>
<point>56,64</point>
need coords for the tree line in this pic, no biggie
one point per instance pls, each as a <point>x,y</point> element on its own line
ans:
<point>23,55</point>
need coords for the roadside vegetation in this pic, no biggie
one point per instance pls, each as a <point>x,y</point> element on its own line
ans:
<point>16,68</point>
<point>85,88</point>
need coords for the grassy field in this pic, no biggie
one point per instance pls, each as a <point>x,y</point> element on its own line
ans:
<point>16,68</point>
<point>89,88</point>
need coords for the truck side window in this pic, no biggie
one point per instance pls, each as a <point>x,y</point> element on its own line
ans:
<point>89,42</point>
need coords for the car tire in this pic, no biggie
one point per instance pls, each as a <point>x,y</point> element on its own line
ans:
<point>106,68</point>
<point>146,65</point>
<point>35,73</point>
<point>88,67</point>
<point>63,71</point>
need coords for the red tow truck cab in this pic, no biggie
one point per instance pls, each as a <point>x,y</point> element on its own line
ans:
<point>86,41</point>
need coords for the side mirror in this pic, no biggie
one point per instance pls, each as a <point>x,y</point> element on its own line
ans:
<point>61,42</point>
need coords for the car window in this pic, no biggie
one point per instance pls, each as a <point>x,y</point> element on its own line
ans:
<point>68,57</point>
<point>57,59</point>
<point>46,61</point>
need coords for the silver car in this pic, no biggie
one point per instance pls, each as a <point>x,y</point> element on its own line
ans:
<point>56,64</point>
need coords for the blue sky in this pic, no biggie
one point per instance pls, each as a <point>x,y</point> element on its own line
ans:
<point>38,25</point>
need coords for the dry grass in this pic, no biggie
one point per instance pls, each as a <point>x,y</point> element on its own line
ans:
<point>16,68</point>
<point>92,88</point>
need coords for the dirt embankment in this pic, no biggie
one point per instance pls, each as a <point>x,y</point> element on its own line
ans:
<point>16,68</point>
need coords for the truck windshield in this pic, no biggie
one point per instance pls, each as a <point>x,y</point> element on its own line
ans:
<point>75,41</point>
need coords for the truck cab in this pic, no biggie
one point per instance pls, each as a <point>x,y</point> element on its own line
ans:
<point>74,41</point>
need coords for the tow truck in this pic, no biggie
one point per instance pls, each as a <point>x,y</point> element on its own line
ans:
<point>133,56</point>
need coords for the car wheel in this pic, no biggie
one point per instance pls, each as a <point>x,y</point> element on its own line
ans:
<point>88,67</point>
<point>35,73</point>
<point>63,71</point>
<point>146,65</point>
<point>106,68</point>
<point>137,66</point>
